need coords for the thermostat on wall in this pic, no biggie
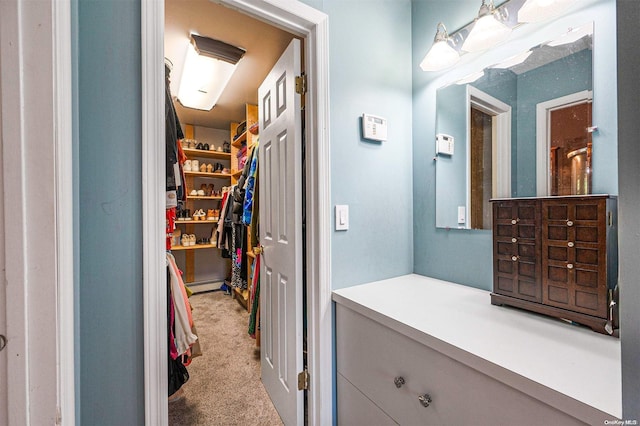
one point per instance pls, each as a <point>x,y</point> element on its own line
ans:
<point>374,128</point>
<point>444,144</point>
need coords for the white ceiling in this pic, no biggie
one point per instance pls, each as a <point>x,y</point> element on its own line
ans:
<point>264,45</point>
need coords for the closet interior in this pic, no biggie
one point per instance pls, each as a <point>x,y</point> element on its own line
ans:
<point>212,237</point>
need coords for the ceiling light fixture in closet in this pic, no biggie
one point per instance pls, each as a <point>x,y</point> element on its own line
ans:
<point>208,67</point>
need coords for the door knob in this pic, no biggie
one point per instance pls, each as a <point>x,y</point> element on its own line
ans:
<point>3,342</point>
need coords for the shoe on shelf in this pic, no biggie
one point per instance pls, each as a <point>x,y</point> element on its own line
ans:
<point>185,240</point>
<point>218,168</point>
<point>203,167</point>
<point>225,171</point>
<point>176,237</point>
<point>192,240</point>
<point>200,193</point>
<point>194,193</point>
<point>213,239</point>
<point>201,215</point>
<point>205,147</point>
<point>195,165</point>
<point>209,168</point>
<point>212,147</point>
<point>198,145</point>
<point>211,190</point>
<point>204,188</point>
<point>211,214</point>
<point>187,166</point>
<point>186,214</point>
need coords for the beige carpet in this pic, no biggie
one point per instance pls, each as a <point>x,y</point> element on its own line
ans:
<point>224,386</point>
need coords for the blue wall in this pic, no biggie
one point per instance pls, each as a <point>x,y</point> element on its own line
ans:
<point>465,256</point>
<point>451,170</point>
<point>107,143</point>
<point>540,85</point>
<point>370,72</point>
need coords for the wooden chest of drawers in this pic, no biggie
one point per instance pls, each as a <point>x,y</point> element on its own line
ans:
<point>557,256</point>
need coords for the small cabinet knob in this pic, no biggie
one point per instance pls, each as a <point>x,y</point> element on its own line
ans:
<point>425,399</point>
<point>514,258</point>
<point>569,265</point>
<point>570,244</point>
<point>569,223</point>
<point>514,221</point>
<point>399,381</point>
<point>514,240</point>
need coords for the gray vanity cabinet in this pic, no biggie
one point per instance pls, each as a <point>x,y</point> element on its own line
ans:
<point>386,378</point>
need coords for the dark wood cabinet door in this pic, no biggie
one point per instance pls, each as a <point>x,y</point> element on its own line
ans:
<point>574,274</point>
<point>516,244</point>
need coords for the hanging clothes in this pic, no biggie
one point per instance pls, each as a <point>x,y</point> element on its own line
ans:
<point>250,187</point>
<point>173,133</point>
<point>255,298</point>
<point>184,337</point>
<point>177,373</point>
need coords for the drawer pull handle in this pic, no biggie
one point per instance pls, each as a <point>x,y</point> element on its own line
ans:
<point>425,399</point>
<point>514,258</point>
<point>399,381</point>
<point>514,240</point>
<point>514,221</point>
<point>569,223</point>
<point>570,244</point>
<point>570,266</point>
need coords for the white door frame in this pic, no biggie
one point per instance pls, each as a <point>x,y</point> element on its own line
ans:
<point>543,134</point>
<point>501,146</point>
<point>38,185</point>
<point>312,25</point>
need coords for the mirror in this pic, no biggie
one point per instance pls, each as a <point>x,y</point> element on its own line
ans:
<point>518,128</point>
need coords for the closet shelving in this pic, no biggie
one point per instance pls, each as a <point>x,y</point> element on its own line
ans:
<point>194,202</point>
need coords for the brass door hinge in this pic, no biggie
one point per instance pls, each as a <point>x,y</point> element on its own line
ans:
<point>301,84</point>
<point>303,380</point>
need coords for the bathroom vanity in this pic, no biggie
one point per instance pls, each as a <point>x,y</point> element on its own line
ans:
<point>417,350</point>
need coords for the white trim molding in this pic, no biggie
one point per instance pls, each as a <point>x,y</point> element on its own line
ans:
<point>543,134</point>
<point>312,25</point>
<point>153,210</point>
<point>64,204</point>
<point>37,184</point>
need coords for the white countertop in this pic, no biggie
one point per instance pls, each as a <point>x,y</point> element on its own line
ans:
<point>461,322</point>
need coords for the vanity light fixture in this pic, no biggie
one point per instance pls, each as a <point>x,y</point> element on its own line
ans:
<point>208,68</point>
<point>441,55</point>
<point>539,10</point>
<point>487,31</point>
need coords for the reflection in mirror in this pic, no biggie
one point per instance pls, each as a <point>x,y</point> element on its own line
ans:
<point>520,128</point>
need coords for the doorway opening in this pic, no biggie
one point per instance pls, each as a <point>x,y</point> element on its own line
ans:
<point>229,258</point>
<point>563,148</point>
<point>488,155</point>
<point>570,150</point>
<point>312,26</point>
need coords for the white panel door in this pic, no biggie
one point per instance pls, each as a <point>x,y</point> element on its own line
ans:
<point>280,177</point>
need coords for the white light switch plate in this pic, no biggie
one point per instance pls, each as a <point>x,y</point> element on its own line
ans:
<point>342,217</point>
<point>462,214</point>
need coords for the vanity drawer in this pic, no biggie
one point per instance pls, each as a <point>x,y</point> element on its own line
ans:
<point>370,356</point>
<point>356,409</point>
